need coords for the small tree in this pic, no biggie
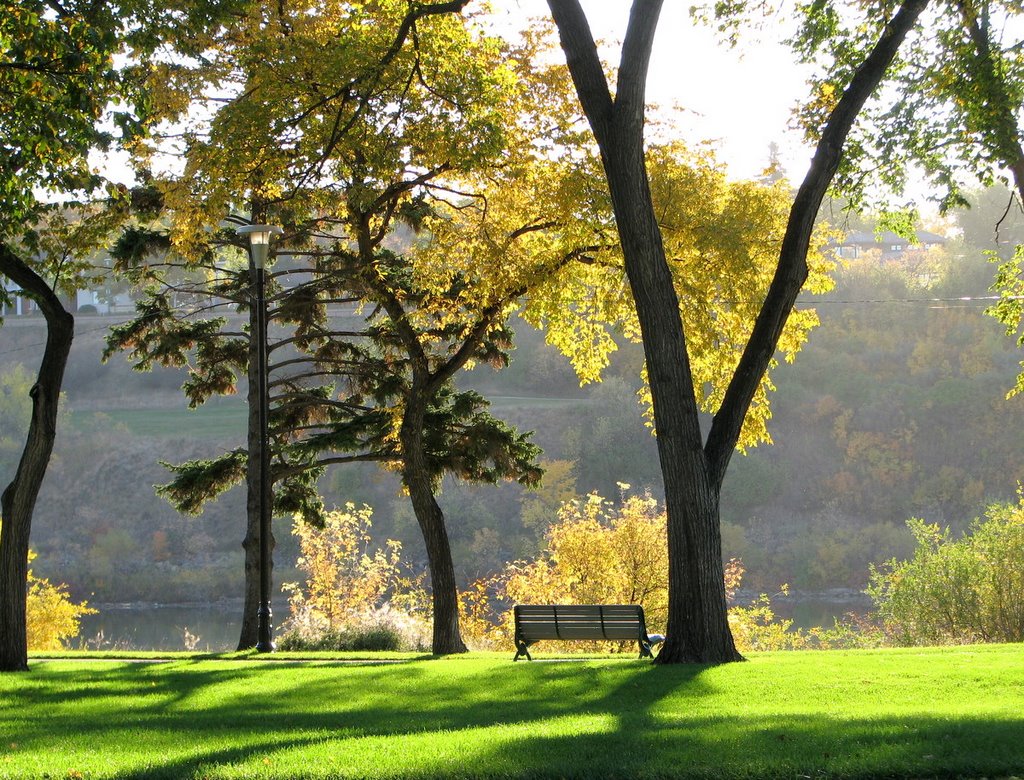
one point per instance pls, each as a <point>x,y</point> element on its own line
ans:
<point>346,581</point>
<point>956,591</point>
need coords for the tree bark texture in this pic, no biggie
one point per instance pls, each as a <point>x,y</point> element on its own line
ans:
<point>698,626</point>
<point>19,498</point>
<point>698,629</point>
<point>447,639</point>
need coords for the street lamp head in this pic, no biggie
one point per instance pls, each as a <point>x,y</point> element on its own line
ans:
<point>259,240</point>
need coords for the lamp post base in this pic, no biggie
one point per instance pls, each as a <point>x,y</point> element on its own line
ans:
<point>264,643</point>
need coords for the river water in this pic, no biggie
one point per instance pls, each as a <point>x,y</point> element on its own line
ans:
<point>162,627</point>
<point>215,627</point>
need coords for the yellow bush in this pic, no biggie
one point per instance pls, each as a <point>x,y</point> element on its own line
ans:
<point>348,584</point>
<point>595,554</point>
<point>52,617</point>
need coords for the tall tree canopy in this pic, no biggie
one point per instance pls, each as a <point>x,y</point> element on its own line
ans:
<point>342,129</point>
<point>62,65</point>
<point>950,110</point>
<point>342,124</point>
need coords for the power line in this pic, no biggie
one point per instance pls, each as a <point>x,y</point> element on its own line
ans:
<point>934,303</point>
<point>914,300</point>
<point>38,344</point>
<point>961,302</point>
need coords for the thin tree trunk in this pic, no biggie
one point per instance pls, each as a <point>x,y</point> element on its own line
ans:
<point>447,639</point>
<point>19,498</point>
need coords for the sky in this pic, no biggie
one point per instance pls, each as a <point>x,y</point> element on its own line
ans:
<point>740,98</point>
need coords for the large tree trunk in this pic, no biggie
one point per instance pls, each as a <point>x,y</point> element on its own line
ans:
<point>416,478</point>
<point>19,499</point>
<point>698,629</point>
<point>698,626</point>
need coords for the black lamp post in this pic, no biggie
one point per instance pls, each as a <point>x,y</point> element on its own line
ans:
<point>259,248</point>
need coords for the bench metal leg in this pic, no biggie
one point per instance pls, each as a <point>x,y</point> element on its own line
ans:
<point>645,649</point>
<point>521,649</point>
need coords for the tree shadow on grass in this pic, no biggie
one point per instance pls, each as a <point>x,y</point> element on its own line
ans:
<point>789,747</point>
<point>604,719</point>
<point>661,727</point>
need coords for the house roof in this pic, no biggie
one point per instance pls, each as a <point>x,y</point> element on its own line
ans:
<point>888,238</point>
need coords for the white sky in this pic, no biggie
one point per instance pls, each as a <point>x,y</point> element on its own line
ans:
<point>740,98</point>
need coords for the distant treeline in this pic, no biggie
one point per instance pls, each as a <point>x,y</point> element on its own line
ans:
<point>895,408</point>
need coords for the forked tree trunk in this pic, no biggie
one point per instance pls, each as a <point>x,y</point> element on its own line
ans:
<point>19,499</point>
<point>698,628</point>
<point>447,639</point>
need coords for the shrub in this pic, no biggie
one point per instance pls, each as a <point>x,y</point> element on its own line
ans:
<point>595,554</point>
<point>757,627</point>
<point>599,554</point>
<point>344,579</point>
<point>956,591</point>
<point>353,598</point>
<point>361,638</point>
<point>52,618</point>
<point>851,632</point>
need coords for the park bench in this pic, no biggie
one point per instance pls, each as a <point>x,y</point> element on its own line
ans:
<point>534,622</point>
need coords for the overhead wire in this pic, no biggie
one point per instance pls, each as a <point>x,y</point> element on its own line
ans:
<point>958,302</point>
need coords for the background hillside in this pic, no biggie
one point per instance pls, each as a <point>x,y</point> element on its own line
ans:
<point>895,408</point>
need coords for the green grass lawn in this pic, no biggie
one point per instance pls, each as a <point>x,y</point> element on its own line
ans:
<point>903,713</point>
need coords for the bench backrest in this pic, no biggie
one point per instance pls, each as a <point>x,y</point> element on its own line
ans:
<point>580,621</point>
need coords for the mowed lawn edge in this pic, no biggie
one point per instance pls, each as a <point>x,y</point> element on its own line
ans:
<point>949,712</point>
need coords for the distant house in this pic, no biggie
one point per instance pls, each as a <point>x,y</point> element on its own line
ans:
<point>100,297</point>
<point>887,243</point>
<point>104,301</point>
<point>17,305</point>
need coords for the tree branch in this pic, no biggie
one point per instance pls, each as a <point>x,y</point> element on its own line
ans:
<point>584,65</point>
<point>375,457</point>
<point>791,272</point>
<point>636,57</point>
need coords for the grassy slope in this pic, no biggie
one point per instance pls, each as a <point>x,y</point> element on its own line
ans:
<point>216,420</point>
<point>916,713</point>
<point>226,418</point>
